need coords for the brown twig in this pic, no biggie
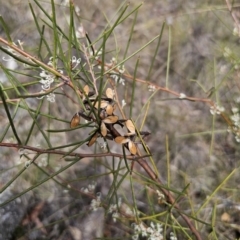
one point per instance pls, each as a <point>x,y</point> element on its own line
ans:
<point>64,153</point>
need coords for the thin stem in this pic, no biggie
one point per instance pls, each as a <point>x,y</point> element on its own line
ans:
<point>9,116</point>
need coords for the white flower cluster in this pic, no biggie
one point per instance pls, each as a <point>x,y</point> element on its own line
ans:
<point>151,88</point>
<point>125,210</point>
<point>116,73</point>
<point>113,209</point>
<point>95,203</point>
<point>118,79</point>
<point>236,123</point>
<point>22,157</point>
<point>75,62</point>
<point>172,236</point>
<point>121,69</point>
<point>216,109</point>
<point>46,80</point>
<point>90,188</point>
<point>123,103</point>
<point>103,146</point>
<point>154,232</point>
<point>161,197</point>
<point>42,162</point>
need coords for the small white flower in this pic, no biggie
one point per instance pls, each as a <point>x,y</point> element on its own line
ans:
<point>50,63</point>
<point>235,118</point>
<point>172,236</point>
<point>121,69</point>
<point>123,103</point>
<point>122,81</point>
<point>51,97</point>
<point>129,212</point>
<point>237,138</point>
<point>216,109</point>
<point>144,234</point>
<point>182,96</point>
<point>212,110</point>
<point>112,208</point>
<point>46,80</point>
<point>152,225</point>
<point>160,195</point>
<point>75,62</point>
<point>159,227</point>
<point>115,215</point>
<point>151,88</point>
<point>118,79</point>
<point>149,230</point>
<point>95,203</point>
<point>220,109</point>
<point>113,61</point>
<point>43,162</point>
<point>235,110</point>
<point>45,84</point>
<point>85,190</point>
<point>104,146</point>
<point>92,186</point>
<point>77,10</point>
